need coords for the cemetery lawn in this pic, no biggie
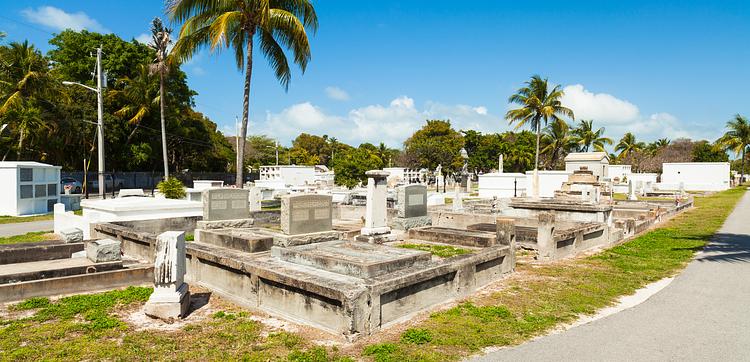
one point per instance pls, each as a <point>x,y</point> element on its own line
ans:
<point>16,219</point>
<point>28,237</point>
<point>539,297</point>
<point>530,302</point>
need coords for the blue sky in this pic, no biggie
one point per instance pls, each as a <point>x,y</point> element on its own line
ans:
<point>380,68</point>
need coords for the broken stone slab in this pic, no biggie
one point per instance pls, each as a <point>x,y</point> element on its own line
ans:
<point>303,239</point>
<point>72,235</point>
<point>99,251</point>
<point>171,297</point>
<point>225,224</point>
<point>406,223</point>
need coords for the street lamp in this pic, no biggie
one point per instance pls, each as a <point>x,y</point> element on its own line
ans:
<point>100,118</point>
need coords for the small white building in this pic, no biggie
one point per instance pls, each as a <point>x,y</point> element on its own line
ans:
<point>695,176</point>
<point>597,162</point>
<point>621,172</point>
<point>28,188</point>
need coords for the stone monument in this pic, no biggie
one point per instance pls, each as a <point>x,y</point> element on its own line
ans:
<point>412,207</point>
<point>458,204</point>
<point>376,228</point>
<point>306,213</point>
<point>171,296</point>
<point>255,197</point>
<point>500,163</point>
<point>631,191</point>
<point>225,204</point>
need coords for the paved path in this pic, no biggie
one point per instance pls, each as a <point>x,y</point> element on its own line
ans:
<point>25,227</point>
<point>703,315</point>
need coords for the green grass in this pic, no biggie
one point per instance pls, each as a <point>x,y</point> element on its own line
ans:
<point>17,219</point>
<point>560,292</point>
<point>443,251</point>
<point>28,237</point>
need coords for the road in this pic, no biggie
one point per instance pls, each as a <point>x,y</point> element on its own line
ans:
<point>703,315</point>
<point>25,227</point>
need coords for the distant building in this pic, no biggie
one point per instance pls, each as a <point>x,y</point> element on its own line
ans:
<point>597,162</point>
<point>28,188</point>
<point>284,176</point>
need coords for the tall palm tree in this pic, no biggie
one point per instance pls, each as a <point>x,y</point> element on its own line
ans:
<point>161,38</point>
<point>27,118</point>
<point>537,104</point>
<point>236,25</point>
<point>140,95</point>
<point>628,146</point>
<point>586,137</point>
<point>654,147</point>
<point>557,141</point>
<point>737,139</point>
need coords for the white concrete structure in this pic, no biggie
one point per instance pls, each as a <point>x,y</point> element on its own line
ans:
<point>644,177</point>
<point>125,209</point>
<point>549,181</point>
<point>395,175</point>
<point>696,176</point>
<point>597,162</point>
<point>171,297</point>
<point>286,175</point>
<point>376,221</point>
<point>503,184</point>
<point>28,188</point>
<point>619,171</point>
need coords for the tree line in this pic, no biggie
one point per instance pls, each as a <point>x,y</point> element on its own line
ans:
<point>54,123</point>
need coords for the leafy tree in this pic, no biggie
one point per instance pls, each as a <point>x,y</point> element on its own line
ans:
<point>350,165</point>
<point>314,146</point>
<point>586,137</point>
<point>537,104</point>
<point>557,141</point>
<point>139,97</point>
<point>235,25</point>
<point>704,151</point>
<point>519,155</point>
<point>172,188</point>
<point>628,145</point>
<point>737,139</point>
<point>436,143</point>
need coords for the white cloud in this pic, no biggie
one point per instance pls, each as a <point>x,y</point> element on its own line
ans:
<point>390,124</point>
<point>58,19</point>
<point>601,107</point>
<point>144,38</point>
<point>337,93</point>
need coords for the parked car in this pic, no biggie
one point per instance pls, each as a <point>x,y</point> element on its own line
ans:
<point>75,186</point>
<point>108,183</point>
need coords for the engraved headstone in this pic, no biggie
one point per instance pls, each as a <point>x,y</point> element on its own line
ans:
<point>301,214</point>
<point>412,201</point>
<point>225,204</point>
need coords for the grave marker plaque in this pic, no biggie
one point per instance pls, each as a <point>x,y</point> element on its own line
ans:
<point>225,204</point>
<point>412,201</point>
<point>302,214</point>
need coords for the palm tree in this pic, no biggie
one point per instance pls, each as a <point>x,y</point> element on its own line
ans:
<point>236,25</point>
<point>628,146</point>
<point>737,139</point>
<point>538,103</point>
<point>586,137</point>
<point>557,141</point>
<point>654,147</point>
<point>140,95</point>
<point>24,81</point>
<point>161,39</point>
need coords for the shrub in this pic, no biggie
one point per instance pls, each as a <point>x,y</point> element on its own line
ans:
<point>172,188</point>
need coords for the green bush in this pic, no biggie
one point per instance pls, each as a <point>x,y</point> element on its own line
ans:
<point>172,188</point>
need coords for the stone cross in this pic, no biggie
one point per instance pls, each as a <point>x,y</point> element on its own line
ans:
<point>171,297</point>
<point>375,211</point>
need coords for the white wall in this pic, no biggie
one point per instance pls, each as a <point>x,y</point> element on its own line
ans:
<point>44,188</point>
<point>619,171</point>
<point>549,181</point>
<point>9,182</point>
<point>696,176</point>
<point>501,184</point>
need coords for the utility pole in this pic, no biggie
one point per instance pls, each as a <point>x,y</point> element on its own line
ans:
<point>100,121</point>
<point>277,151</point>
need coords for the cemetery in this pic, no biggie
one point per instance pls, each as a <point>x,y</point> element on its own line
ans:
<point>348,268</point>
